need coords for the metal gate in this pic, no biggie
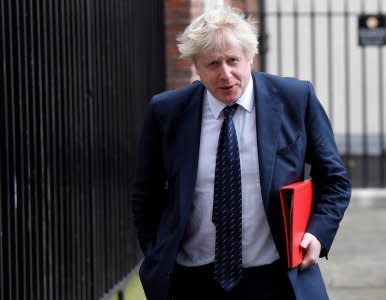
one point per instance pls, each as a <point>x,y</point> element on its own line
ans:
<point>75,80</point>
<point>319,41</point>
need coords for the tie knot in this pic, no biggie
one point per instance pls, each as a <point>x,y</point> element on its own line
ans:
<point>229,111</point>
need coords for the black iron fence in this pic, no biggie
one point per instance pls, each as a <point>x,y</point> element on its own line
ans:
<point>75,78</point>
<point>323,41</point>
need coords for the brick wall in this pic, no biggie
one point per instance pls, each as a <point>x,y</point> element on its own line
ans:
<point>178,15</point>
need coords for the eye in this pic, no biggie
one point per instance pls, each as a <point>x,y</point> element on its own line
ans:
<point>233,60</point>
<point>213,64</point>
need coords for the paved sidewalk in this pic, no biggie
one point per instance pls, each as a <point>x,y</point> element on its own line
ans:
<point>356,268</point>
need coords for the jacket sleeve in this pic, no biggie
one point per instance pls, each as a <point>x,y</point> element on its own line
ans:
<point>331,185</point>
<point>148,191</point>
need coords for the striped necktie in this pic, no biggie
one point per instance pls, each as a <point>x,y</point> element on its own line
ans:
<point>227,205</point>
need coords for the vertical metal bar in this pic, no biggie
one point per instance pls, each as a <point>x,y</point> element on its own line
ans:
<point>34,152</point>
<point>78,155</point>
<point>44,152</point>
<point>115,138</point>
<point>51,138</point>
<point>365,133</point>
<point>99,225</point>
<point>29,238</point>
<point>382,130</point>
<point>87,162</point>
<point>119,131</point>
<point>296,38</point>
<point>66,123</point>
<point>4,179</point>
<point>37,282</point>
<point>15,12</point>
<point>2,200</point>
<point>120,295</point>
<point>87,151</point>
<point>330,60</point>
<point>53,147</point>
<point>125,139</point>
<point>75,129</point>
<point>120,134</point>
<point>279,38</point>
<point>94,22</point>
<point>313,44</point>
<point>72,159</point>
<point>109,142</point>
<point>346,54</point>
<point>62,283</point>
<point>82,158</point>
<point>262,37</point>
<point>84,161</point>
<point>56,150</point>
<point>109,138</point>
<point>129,119</point>
<point>25,143</point>
<point>90,26</point>
<point>103,248</point>
<point>106,94</point>
<point>134,107</point>
<point>77,150</point>
<point>87,167</point>
<point>116,57</point>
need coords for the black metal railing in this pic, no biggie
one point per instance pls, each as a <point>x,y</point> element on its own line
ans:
<point>75,80</point>
<point>319,41</point>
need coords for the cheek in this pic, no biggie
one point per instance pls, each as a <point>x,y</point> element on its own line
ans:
<point>208,79</point>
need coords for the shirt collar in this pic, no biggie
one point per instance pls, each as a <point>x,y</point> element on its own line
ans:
<point>245,100</point>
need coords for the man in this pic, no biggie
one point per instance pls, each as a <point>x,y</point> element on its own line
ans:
<point>205,198</point>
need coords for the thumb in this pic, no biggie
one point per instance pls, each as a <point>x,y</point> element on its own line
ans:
<point>306,241</point>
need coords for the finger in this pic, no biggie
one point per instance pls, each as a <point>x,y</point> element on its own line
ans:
<point>312,250</point>
<point>306,241</point>
<point>308,260</point>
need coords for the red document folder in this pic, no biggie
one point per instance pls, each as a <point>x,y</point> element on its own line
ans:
<point>296,203</point>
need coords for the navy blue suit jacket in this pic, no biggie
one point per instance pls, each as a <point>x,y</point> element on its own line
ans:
<point>292,130</point>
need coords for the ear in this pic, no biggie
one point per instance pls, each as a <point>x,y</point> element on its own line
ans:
<point>196,69</point>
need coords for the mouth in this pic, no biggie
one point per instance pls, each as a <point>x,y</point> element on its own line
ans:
<point>226,88</point>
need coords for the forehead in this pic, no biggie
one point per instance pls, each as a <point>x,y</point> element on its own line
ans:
<point>222,52</point>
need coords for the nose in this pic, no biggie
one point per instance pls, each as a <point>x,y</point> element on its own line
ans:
<point>225,71</point>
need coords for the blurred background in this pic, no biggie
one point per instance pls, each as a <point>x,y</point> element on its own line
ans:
<point>75,80</point>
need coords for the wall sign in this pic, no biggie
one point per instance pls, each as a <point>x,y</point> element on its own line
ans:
<point>372,30</point>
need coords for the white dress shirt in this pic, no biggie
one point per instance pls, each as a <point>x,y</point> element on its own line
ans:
<point>198,247</point>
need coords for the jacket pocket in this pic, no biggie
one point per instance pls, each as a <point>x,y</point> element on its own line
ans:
<point>292,147</point>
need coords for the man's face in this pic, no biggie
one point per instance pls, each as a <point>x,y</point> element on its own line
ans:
<point>224,73</point>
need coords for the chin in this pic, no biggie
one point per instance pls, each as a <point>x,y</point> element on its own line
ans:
<point>229,99</point>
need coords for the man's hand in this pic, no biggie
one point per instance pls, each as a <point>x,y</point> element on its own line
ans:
<point>312,248</point>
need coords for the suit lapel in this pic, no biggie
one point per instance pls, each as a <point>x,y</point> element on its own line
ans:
<point>268,122</point>
<point>188,146</point>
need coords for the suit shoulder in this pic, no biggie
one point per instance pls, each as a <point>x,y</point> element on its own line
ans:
<point>178,94</point>
<point>171,103</point>
<point>284,84</point>
<point>296,95</point>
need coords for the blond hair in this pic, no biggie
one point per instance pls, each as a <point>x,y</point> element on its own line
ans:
<point>211,30</point>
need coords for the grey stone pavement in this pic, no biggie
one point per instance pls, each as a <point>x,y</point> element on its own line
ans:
<point>356,267</point>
